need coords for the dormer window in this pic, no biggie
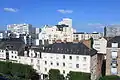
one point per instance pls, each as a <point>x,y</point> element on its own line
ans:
<point>11,46</point>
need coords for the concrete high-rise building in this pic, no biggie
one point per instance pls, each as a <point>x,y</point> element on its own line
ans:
<point>113,56</point>
<point>20,28</point>
<point>66,21</point>
<point>112,31</point>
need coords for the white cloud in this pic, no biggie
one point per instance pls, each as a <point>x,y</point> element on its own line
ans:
<point>63,11</point>
<point>97,25</point>
<point>10,9</point>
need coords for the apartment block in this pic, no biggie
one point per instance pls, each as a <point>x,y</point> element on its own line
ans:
<point>112,56</point>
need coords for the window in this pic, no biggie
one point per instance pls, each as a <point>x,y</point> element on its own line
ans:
<point>114,71</point>
<point>45,62</point>
<point>57,64</point>
<point>63,64</point>
<point>51,63</point>
<point>70,57</point>
<point>77,65</point>
<point>12,51</point>
<point>84,58</point>
<point>45,69</point>
<point>77,57</point>
<point>63,56</point>
<point>15,56</point>
<point>63,71</point>
<point>12,56</point>
<point>31,60</point>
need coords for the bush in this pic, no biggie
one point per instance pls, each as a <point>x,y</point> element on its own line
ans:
<point>78,76</point>
<point>16,71</point>
<point>54,74</point>
<point>112,77</point>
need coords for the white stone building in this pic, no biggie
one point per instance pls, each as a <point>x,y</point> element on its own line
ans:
<point>10,48</point>
<point>54,33</point>
<point>100,45</point>
<point>62,56</point>
<point>20,28</point>
<point>66,21</point>
<point>85,36</point>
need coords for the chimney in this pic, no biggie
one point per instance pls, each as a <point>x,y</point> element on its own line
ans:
<point>87,43</point>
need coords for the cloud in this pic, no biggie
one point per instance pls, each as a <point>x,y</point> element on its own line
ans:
<point>97,25</point>
<point>10,9</point>
<point>63,11</point>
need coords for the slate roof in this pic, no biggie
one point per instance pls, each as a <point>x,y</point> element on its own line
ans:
<point>12,44</point>
<point>115,39</point>
<point>69,48</point>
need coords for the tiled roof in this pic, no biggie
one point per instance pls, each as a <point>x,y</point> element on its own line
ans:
<point>69,48</point>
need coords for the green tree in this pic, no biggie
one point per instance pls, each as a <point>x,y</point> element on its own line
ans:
<point>16,71</point>
<point>78,76</point>
<point>112,77</point>
<point>54,74</point>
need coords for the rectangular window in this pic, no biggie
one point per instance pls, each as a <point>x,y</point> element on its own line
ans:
<point>51,63</point>
<point>70,57</point>
<point>45,69</point>
<point>114,71</point>
<point>115,45</point>
<point>45,62</point>
<point>63,71</point>
<point>77,65</point>
<point>63,56</point>
<point>57,64</point>
<point>64,64</point>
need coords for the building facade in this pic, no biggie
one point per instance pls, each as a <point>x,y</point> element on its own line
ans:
<point>54,33</point>
<point>85,36</point>
<point>112,31</point>
<point>20,28</point>
<point>100,45</point>
<point>112,56</point>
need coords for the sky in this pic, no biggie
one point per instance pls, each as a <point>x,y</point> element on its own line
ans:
<point>87,15</point>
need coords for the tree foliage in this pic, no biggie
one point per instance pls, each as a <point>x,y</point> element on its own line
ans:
<point>54,74</point>
<point>78,76</point>
<point>16,71</point>
<point>112,77</point>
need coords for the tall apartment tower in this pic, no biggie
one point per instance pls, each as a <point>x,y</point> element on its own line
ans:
<point>20,28</point>
<point>66,21</point>
<point>113,56</point>
<point>112,31</point>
